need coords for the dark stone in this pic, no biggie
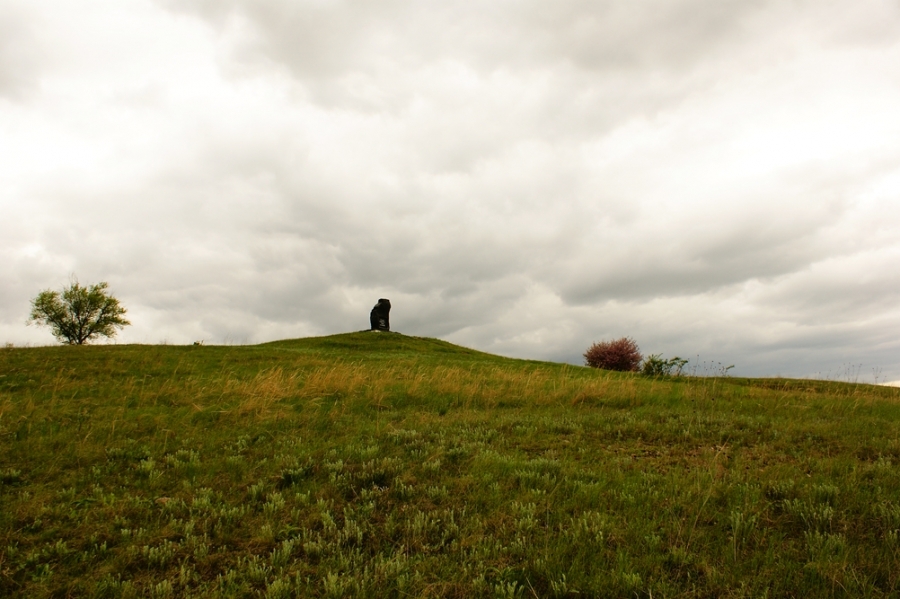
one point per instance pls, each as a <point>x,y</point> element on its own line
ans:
<point>380,317</point>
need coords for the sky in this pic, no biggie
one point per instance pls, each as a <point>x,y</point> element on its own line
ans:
<point>716,179</point>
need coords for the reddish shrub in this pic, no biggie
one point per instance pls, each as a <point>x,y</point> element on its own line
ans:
<point>622,354</point>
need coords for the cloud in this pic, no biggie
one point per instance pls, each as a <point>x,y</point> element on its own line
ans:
<point>712,178</point>
<point>18,56</point>
<point>336,37</point>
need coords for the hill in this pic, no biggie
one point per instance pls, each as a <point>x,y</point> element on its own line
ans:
<point>382,465</point>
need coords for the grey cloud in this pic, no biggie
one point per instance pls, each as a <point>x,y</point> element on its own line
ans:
<point>331,39</point>
<point>593,62</point>
<point>524,178</point>
<point>694,255</point>
<point>868,23</point>
<point>19,53</point>
<point>845,289</point>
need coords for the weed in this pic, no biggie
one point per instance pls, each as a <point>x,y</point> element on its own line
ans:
<point>654,365</point>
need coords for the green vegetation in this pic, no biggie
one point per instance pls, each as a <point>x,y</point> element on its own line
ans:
<point>655,365</point>
<point>77,314</point>
<point>379,465</point>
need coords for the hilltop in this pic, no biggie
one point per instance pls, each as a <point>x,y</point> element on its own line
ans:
<point>382,465</point>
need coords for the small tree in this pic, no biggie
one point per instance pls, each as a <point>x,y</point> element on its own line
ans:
<point>622,354</point>
<point>78,314</point>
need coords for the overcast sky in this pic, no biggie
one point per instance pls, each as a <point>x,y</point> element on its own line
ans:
<point>718,179</point>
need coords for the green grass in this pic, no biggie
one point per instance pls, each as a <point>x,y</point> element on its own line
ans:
<point>380,465</point>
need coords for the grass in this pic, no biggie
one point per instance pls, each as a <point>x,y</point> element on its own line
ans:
<point>380,465</point>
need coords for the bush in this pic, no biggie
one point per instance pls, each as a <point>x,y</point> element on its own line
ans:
<point>654,365</point>
<point>622,354</point>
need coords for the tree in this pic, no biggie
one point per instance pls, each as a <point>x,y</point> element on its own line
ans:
<point>622,354</point>
<point>77,314</point>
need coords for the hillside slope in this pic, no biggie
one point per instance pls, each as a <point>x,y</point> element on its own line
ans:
<point>382,465</point>
<point>376,344</point>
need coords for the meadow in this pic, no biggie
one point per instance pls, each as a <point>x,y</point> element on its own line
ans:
<point>382,465</point>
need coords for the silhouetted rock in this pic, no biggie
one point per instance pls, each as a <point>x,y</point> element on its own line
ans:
<point>380,317</point>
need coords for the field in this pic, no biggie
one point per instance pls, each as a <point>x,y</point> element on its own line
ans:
<point>381,465</point>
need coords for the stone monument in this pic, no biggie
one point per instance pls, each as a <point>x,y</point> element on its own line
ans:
<point>379,318</point>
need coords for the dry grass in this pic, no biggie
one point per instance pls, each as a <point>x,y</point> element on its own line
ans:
<point>260,395</point>
<point>387,386</point>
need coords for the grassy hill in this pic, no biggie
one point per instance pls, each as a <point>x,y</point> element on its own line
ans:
<point>381,465</point>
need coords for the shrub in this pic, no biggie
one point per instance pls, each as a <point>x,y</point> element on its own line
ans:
<point>622,354</point>
<point>654,365</point>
